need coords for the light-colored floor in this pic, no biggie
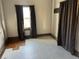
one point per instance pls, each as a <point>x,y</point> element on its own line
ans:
<point>38,49</point>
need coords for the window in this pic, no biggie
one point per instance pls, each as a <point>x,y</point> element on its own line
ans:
<point>26,17</point>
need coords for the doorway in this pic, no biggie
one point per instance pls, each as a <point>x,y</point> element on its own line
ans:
<point>26,21</point>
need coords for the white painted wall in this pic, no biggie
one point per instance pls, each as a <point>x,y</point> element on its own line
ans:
<point>2,26</point>
<point>55,17</point>
<point>43,15</point>
<point>43,8</point>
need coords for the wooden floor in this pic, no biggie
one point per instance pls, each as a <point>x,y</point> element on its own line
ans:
<point>16,43</point>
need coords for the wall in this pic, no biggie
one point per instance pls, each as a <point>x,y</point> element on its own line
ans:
<point>43,15</point>
<point>55,17</point>
<point>2,28</point>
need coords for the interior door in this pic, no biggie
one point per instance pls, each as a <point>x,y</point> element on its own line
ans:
<point>19,12</point>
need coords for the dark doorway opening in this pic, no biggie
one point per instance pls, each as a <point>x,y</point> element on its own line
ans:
<point>26,22</point>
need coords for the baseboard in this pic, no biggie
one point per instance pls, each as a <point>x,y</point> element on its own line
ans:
<point>16,37</point>
<point>38,35</point>
<point>27,37</point>
<point>47,34</point>
<point>53,36</point>
<point>2,50</point>
<point>76,53</point>
<point>11,40</point>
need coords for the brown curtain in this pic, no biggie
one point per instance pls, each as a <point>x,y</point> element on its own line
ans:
<point>62,24</point>
<point>67,25</point>
<point>33,22</point>
<point>20,24</point>
<point>71,26</point>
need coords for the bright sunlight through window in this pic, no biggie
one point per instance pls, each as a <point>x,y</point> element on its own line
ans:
<point>26,16</point>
